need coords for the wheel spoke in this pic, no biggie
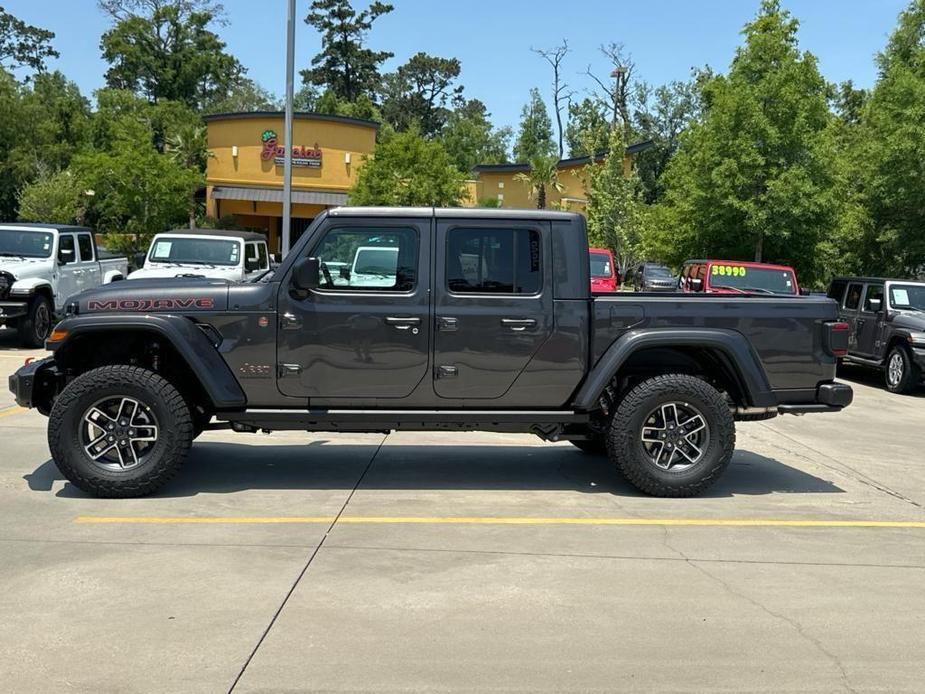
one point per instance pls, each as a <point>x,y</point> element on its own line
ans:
<point>692,425</point>
<point>670,414</point>
<point>98,418</point>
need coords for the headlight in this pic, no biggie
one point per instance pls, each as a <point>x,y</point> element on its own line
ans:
<point>917,339</point>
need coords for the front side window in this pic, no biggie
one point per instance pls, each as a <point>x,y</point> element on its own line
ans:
<point>493,261</point>
<point>874,294</point>
<point>601,265</point>
<point>66,248</point>
<point>368,258</point>
<point>262,256</point>
<point>192,251</point>
<point>86,247</point>
<point>19,243</point>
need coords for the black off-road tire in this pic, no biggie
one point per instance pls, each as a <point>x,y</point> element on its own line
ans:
<point>911,374</point>
<point>36,325</point>
<point>175,431</point>
<point>595,445</point>
<point>626,448</point>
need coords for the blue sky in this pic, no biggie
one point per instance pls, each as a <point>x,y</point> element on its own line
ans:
<point>492,39</point>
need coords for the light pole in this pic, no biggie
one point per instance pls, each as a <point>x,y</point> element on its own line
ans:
<point>287,135</point>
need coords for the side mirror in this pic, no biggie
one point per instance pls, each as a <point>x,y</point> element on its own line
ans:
<point>695,284</point>
<point>251,264</point>
<point>306,274</point>
<point>804,291</point>
<point>876,305</point>
<point>65,256</point>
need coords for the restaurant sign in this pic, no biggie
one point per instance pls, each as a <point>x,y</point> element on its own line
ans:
<point>301,155</point>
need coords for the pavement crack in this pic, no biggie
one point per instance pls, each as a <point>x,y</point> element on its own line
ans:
<point>794,624</point>
<point>308,563</point>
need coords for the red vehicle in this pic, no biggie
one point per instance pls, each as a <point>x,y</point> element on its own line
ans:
<point>604,275</point>
<point>737,277</point>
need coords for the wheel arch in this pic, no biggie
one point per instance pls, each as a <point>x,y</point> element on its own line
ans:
<point>97,340</point>
<point>725,355</point>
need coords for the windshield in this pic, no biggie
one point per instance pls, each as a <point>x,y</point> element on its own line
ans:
<point>755,279</point>
<point>190,251</point>
<point>26,244</point>
<point>376,261</point>
<point>658,271</point>
<point>909,297</point>
<point>600,265</point>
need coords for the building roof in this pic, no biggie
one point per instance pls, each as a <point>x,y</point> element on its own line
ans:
<point>562,163</point>
<point>298,115</point>
<point>231,233</point>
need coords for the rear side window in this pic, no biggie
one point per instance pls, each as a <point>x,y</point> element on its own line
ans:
<point>853,297</point>
<point>837,290</point>
<point>493,261</point>
<point>86,247</point>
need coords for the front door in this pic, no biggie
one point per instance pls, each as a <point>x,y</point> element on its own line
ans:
<point>493,304</point>
<point>68,270</point>
<point>365,332</point>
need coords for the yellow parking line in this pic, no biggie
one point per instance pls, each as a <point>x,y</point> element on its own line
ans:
<point>16,409</point>
<point>479,520</point>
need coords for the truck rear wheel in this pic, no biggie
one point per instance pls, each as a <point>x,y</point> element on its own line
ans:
<point>35,326</point>
<point>672,435</point>
<point>119,431</point>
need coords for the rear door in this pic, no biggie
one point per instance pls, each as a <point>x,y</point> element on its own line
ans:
<point>359,339</point>
<point>493,304</point>
<point>870,322</point>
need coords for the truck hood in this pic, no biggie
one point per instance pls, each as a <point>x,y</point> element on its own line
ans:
<point>29,267</point>
<point>911,320</point>
<point>159,271</point>
<point>178,295</point>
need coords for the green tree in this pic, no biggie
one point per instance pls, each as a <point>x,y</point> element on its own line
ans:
<point>470,139</point>
<point>23,45</point>
<point>588,128</point>
<point>245,96</point>
<point>57,197</point>
<point>418,92</point>
<point>363,107</point>
<point>751,178</point>
<point>164,49</point>
<point>534,136</point>
<point>188,147</point>
<point>889,181</point>
<point>408,170</point>
<point>542,177</point>
<point>344,64</point>
<point>616,213</point>
<point>661,115</point>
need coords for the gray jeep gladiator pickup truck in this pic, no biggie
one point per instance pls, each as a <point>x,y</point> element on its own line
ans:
<point>420,319</point>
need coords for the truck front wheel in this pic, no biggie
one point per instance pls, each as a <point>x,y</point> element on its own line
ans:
<point>672,435</point>
<point>35,326</point>
<point>119,431</point>
<point>902,375</point>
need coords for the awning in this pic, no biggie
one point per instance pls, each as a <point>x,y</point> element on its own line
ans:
<point>306,197</point>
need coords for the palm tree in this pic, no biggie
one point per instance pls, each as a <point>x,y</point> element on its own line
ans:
<point>543,174</point>
<point>189,147</point>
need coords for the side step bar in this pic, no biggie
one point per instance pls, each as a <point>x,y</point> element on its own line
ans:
<point>544,423</point>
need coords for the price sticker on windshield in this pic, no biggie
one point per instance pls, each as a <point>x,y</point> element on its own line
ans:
<point>729,270</point>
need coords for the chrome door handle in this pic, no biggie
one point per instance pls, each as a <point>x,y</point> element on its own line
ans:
<point>290,321</point>
<point>402,322</point>
<point>446,324</point>
<point>518,324</point>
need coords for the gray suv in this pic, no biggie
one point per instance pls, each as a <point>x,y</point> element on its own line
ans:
<point>886,324</point>
<point>653,277</point>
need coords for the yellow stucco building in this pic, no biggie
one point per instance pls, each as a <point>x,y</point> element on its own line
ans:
<point>244,175</point>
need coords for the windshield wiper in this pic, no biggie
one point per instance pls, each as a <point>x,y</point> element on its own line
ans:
<point>759,289</point>
<point>727,286</point>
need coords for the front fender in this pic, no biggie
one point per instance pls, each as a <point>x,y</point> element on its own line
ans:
<point>735,349</point>
<point>29,286</point>
<point>190,342</point>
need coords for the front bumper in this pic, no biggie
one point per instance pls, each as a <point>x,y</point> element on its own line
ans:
<point>12,309</point>
<point>30,380</point>
<point>830,397</point>
<point>918,356</point>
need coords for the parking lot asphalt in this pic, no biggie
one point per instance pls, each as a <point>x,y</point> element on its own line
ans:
<point>472,562</point>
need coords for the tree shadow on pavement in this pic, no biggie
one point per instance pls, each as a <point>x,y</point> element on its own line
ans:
<point>223,468</point>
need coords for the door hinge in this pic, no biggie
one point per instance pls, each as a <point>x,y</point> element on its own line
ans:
<point>447,372</point>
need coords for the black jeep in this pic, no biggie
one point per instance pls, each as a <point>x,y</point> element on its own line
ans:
<point>886,319</point>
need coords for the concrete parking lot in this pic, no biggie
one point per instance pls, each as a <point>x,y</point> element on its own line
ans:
<point>464,562</point>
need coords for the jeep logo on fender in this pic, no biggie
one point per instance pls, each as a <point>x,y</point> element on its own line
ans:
<point>149,304</point>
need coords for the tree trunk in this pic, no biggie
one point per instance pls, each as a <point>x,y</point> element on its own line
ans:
<point>759,247</point>
<point>541,197</point>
